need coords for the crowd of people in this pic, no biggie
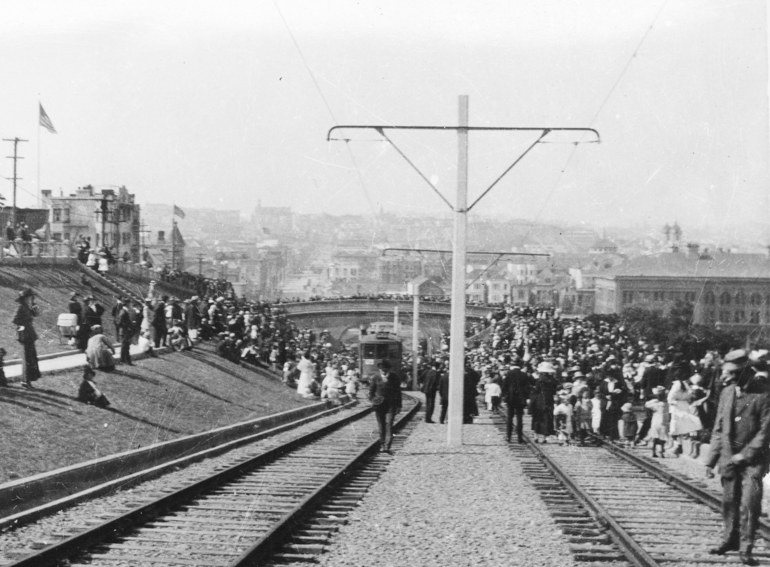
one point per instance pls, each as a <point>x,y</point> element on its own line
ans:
<point>576,376</point>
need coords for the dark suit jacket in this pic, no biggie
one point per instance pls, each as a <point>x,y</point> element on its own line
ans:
<point>742,426</point>
<point>93,316</point>
<point>124,321</point>
<point>389,389</point>
<point>432,380</point>
<point>516,388</point>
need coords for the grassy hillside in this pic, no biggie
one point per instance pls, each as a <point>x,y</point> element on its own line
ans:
<point>156,400</point>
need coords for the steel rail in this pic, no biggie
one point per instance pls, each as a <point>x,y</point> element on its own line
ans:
<point>703,496</point>
<point>633,551</point>
<point>261,551</point>
<point>143,514</point>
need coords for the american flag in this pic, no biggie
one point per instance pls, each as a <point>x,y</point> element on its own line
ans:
<point>45,122</point>
<point>178,212</point>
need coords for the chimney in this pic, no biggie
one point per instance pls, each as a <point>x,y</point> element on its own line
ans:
<point>46,193</point>
<point>692,251</point>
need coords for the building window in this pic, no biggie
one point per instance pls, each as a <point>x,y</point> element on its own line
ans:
<point>659,295</point>
<point>57,236</point>
<point>521,294</point>
<point>755,299</point>
<point>66,236</point>
<point>740,317</point>
<point>740,298</point>
<point>724,316</point>
<point>65,215</point>
<point>711,317</point>
<point>754,317</point>
<point>724,298</point>
<point>628,297</point>
<point>689,296</point>
<point>709,298</point>
<point>57,215</point>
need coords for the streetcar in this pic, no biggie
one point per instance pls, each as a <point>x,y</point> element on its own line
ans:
<point>373,348</point>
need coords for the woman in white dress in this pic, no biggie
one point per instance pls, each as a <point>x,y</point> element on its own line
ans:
<point>306,368</point>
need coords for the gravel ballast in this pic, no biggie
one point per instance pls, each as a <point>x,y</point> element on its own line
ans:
<point>437,505</point>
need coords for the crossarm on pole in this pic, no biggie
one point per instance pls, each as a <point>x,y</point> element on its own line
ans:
<point>395,147</point>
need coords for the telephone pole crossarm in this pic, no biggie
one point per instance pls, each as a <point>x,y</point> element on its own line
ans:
<point>544,131</point>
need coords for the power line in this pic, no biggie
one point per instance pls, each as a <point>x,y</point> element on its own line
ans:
<point>328,108</point>
<point>601,107</point>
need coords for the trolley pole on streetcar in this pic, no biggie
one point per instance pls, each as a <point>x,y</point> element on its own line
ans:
<point>457,325</point>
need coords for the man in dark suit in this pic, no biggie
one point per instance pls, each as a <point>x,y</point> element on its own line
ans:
<point>443,390</point>
<point>125,326</point>
<point>159,322</point>
<point>430,387</point>
<point>739,445</point>
<point>515,394</point>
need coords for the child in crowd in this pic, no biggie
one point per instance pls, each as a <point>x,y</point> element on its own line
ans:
<point>582,415</point>
<point>563,420</point>
<point>351,387</point>
<point>597,410</point>
<point>630,425</point>
<point>660,419</point>
<point>492,394</point>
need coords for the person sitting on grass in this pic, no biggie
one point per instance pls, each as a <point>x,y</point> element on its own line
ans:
<point>177,338</point>
<point>89,393</point>
<point>100,352</point>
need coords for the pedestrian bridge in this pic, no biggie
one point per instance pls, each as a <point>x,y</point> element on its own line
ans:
<point>331,307</point>
<point>339,315</point>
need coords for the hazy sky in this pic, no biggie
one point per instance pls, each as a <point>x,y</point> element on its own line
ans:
<point>209,104</point>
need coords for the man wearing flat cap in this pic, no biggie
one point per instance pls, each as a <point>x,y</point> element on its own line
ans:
<point>739,445</point>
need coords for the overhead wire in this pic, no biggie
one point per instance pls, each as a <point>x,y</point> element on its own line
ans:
<point>328,108</point>
<point>596,115</point>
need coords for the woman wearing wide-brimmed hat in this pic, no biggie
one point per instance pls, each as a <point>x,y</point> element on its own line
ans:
<point>25,334</point>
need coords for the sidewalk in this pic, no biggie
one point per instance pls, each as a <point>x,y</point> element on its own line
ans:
<point>69,361</point>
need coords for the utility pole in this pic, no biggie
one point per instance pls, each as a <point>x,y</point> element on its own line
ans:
<point>461,209</point>
<point>104,220</point>
<point>142,246</point>
<point>200,264</point>
<point>14,157</point>
<point>457,325</point>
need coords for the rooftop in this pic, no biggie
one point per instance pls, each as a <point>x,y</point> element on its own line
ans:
<point>680,265</point>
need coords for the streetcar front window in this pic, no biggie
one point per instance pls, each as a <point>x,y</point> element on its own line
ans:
<point>369,350</point>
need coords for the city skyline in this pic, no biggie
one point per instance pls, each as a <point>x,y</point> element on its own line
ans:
<point>218,108</point>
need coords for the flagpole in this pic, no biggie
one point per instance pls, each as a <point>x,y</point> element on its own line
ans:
<point>39,190</point>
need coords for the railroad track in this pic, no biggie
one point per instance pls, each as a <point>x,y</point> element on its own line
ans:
<point>247,513</point>
<point>615,506</point>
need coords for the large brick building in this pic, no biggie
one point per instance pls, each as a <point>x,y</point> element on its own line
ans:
<point>732,290</point>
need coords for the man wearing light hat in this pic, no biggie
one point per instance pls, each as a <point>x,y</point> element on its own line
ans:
<point>739,444</point>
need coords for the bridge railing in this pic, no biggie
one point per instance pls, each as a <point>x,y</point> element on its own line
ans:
<point>379,305</point>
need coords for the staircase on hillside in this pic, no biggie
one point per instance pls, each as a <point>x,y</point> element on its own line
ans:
<point>124,290</point>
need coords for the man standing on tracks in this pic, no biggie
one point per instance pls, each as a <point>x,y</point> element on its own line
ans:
<point>385,396</point>
<point>739,444</point>
<point>430,387</point>
<point>515,395</point>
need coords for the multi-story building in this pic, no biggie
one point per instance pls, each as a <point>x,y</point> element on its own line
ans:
<point>398,269</point>
<point>110,218</point>
<point>728,289</point>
